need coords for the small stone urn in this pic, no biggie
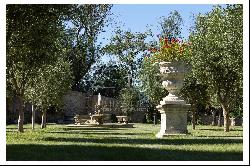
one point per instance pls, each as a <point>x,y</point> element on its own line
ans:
<point>172,108</point>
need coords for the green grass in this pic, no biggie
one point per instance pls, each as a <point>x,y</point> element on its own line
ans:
<point>60,143</point>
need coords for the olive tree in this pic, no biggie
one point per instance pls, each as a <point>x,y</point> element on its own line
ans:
<point>31,35</point>
<point>217,48</point>
<point>48,88</point>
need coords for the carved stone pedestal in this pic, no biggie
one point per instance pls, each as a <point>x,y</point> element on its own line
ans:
<point>173,120</point>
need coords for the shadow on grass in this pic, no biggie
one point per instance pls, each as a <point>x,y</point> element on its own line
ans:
<point>221,129</point>
<point>11,131</point>
<point>101,132</point>
<point>15,128</point>
<point>220,136</point>
<point>92,128</point>
<point>147,141</point>
<point>19,152</point>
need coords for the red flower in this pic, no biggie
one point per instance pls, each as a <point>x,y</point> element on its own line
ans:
<point>166,46</point>
<point>166,41</point>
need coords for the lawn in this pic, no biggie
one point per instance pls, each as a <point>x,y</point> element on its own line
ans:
<point>60,143</point>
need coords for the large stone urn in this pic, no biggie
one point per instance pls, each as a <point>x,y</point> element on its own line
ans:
<point>173,109</point>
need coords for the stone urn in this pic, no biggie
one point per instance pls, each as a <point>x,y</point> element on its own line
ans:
<point>173,109</point>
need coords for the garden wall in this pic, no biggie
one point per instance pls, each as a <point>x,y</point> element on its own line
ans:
<point>207,120</point>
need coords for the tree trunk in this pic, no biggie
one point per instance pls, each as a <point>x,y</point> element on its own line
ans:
<point>130,75</point>
<point>225,106</point>
<point>193,117</point>
<point>219,118</point>
<point>129,83</point>
<point>43,124</point>
<point>19,106</point>
<point>129,80</point>
<point>214,117</point>
<point>226,117</point>
<point>20,120</point>
<point>33,117</point>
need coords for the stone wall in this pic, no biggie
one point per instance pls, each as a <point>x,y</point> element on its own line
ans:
<point>74,103</point>
<point>137,117</point>
<point>207,120</point>
<point>82,103</point>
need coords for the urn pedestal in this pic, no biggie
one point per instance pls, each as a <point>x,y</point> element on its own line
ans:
<point>172,108</point>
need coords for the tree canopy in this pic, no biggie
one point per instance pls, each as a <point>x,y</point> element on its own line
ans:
<point>82,29</point>
<point>127,45</point>
<point>107,79</point>
<point>171,25</point>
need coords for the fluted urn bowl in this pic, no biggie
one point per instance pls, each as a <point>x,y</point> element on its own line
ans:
<point>172,74</point>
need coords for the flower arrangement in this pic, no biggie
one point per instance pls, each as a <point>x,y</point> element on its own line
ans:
<point>169,49</point>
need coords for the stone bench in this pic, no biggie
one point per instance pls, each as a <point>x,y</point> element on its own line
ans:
<point>123,119</point>
<point>81,119</point>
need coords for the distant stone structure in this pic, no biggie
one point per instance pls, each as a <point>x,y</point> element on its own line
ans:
<point>78,103</point>
<point>84,103</point>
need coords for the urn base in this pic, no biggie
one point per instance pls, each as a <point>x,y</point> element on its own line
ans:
<point>173,118</point>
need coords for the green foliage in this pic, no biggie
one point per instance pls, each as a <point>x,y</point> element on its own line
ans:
<point>171,25</point>
<point>84,25</point>
<point>40,45</point>
<point>151,82</point>
<point>107,79</point>
<point>217,48</point>
<point>32,33</point>
<point>193,92</point>
<point>50,85</point>
<point>237,108</point>
<point>129,98</point>
<point>127,46</point>
<point>36,67</point>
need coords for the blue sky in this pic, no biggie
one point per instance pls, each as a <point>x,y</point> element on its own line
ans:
<point>136,17</point>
